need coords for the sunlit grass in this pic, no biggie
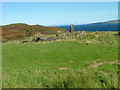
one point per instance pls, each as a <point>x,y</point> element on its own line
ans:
<point>61,64</point>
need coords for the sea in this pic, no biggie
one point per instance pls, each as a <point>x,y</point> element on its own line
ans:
<point>94,27</point>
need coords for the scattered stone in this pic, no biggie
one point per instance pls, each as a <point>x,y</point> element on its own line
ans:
<point>50,39</point>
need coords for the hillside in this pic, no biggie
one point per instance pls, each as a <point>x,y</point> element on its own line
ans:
<point>109,22</point>
<point>17,31</point>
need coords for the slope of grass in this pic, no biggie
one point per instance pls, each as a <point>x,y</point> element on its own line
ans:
<point>64,64</point>
<point>0,65</point>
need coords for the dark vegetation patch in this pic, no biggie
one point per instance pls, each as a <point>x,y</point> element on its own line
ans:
<point>18,31</point>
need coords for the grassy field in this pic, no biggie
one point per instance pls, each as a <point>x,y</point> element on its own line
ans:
<point>0,65</point>
<point>60,64</point>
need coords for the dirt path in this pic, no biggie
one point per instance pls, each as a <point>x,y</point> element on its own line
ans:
<point>108,62</point>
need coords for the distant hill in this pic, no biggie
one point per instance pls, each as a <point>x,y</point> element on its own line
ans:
<point>99,26</point>
<point>109,22</point>
<point>18,30</point>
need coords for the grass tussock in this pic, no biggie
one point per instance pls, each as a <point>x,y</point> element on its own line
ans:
<point>86,78</point>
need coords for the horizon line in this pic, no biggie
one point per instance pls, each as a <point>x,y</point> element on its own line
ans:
<point>60,24</point>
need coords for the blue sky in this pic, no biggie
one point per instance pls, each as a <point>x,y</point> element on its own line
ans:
<point>58,13</point>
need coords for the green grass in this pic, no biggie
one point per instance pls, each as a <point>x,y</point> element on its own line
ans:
<point>0,65</point>
<point>63,64</point>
